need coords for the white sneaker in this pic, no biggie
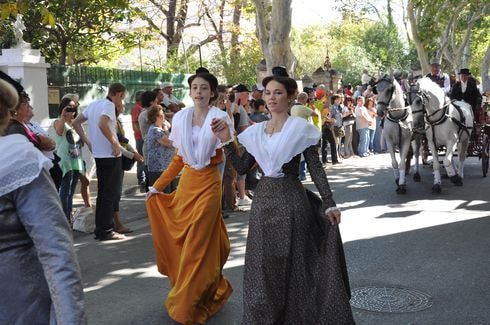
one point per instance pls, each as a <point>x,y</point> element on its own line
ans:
<point>244,201</point>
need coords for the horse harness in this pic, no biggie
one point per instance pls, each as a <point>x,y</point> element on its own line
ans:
<point>461,123</point>
<point>389,116</point>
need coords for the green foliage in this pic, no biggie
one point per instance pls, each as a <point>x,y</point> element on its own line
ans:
<point>243,69</point>
<point>352,45</point>
<point>7,38</point>
<point>72,31</point>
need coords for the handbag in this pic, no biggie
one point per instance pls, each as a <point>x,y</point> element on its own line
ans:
<point>339,131</point>
<point>127,163</point>
<point>348,120</point>
<point>74,148</point>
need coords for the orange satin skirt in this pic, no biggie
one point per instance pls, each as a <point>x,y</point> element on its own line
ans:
<point>191,245</point>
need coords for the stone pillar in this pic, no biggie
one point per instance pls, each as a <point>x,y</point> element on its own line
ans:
<point>28,66</point>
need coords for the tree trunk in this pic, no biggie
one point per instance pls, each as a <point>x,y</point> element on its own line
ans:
<point>485,71</point>
<point>421,52</point>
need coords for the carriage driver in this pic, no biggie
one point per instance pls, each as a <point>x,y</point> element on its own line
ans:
<point>466,89</point>
<point>439,77</point>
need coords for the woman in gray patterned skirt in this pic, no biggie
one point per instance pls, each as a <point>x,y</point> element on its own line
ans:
<point>295,269</point>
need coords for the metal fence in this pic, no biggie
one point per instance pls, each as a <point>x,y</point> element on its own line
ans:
<point>91,83</point>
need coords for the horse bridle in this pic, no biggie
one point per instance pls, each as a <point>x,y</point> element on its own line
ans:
<point>390,98</point>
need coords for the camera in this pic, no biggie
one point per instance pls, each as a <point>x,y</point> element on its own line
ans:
<point>70,109</point>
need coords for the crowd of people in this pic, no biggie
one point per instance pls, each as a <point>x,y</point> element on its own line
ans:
<point>233,147</point>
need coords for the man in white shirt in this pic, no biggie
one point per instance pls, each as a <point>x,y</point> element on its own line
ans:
<point>439,77</point>
<point>101,117</point>
<point>171,102</point>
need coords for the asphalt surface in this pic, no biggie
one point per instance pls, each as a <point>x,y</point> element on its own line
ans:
<point>434,244</point>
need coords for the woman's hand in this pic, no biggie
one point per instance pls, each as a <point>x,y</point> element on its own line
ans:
<point>333,215</point>
<point>221,129</point>
<point>138,157</point>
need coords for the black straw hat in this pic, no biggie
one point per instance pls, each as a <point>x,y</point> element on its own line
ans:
<point>464,71</point>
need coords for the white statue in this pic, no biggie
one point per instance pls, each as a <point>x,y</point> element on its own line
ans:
<point>19,29</point>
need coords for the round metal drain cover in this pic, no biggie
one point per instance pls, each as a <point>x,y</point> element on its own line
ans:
<point>390,300</point>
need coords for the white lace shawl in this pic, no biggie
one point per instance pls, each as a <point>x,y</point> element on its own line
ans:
<point>296,135</point>
<point>21,162</point>
<point>181,135</point>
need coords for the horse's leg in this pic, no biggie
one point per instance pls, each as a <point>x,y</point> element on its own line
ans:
<point>404,147</point>
<point>462,156</point>
<point>462,151</point>
<point>394,164</point>
<point>436,187</point>
<point>416,153</point>
<point>448,164</point>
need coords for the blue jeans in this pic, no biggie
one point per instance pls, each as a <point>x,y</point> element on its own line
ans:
<point>67,189</point>
<point>371,139</point>
<point>363,146</point>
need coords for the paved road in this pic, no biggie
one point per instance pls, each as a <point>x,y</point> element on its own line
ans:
<point>434,244</point>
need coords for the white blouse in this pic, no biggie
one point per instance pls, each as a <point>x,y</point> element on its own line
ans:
<point>196,145</point>
<point>272,152</point>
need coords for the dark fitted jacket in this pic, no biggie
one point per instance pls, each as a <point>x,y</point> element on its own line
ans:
<point>472,95</point>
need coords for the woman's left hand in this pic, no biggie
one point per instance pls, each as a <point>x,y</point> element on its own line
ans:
<point>334,216</point>
<point>221,129</point>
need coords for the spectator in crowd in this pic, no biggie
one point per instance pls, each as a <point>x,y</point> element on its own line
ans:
<point>69,149</point>
<point>365,79</point>
<point>241,101</point>
<point>105,147</point>
<point>439,77</point>
<point>39,131</point>
<point>39,273</point>
<point>301,110</point>
<point>358,92</point>
<point>171,102</point>
<point>138,137</point>
<point>328,136</point>
<point>363,121</point>
<point>148,99</point>
<point>348,90</point>
<point>128,157</point>
<point>22,113</point>
<point>336,113</point>
<point>284,245</point>
<point>466,89</point>
<point>348,121</point>
<point>259,112</point>
<point>371,109</point>
<point>88,168</point>
<point>257,91</point>
<point>187,225</point>
<point>159,148</point>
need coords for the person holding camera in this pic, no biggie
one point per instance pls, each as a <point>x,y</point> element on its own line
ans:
<point>69,149</point>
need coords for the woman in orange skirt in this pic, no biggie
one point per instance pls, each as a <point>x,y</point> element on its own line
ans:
<point>189,236</point>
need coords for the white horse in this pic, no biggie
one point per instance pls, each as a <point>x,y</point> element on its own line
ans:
<point>447,124</point>
<point>397,126</point>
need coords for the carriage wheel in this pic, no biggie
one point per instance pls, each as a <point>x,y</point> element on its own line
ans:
<point>484,163</point>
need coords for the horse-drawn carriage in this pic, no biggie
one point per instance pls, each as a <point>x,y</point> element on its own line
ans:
<point>444,123</point>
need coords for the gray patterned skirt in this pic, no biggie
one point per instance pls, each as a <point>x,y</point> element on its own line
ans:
<point>294,264</point>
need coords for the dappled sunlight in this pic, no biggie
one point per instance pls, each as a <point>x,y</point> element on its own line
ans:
<point>119,274</point>
<point>368,221</point>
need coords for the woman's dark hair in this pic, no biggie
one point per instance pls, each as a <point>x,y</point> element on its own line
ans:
<point>211,79</point>
<point>288,83</point>
<point>257,103</point>
<point>65,102</point>
<point>147,98</point>
<point>153,112</point>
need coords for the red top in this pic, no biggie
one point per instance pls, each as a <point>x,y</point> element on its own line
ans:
<point>135,113</point>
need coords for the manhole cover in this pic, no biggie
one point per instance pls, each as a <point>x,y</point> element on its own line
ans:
<point>390,300</point>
